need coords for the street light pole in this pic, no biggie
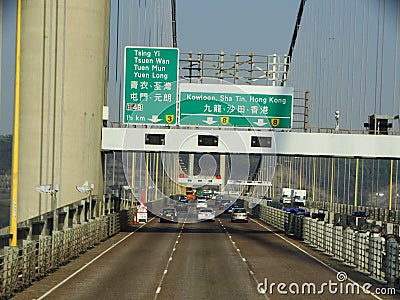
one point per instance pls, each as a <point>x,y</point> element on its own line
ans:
<point>87,189</point>
<point>51,189</point>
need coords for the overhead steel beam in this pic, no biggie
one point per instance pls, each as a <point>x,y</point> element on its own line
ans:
<point>250,142</point>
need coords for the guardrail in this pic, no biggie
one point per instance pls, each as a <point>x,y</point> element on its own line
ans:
<point>21,266</point>
<point>374,213</point>
<point>373,253</point>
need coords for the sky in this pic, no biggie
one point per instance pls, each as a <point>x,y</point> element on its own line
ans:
<point>7,66</point>
<point>261,27</point>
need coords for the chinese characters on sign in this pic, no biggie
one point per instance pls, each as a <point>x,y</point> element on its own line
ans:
<point>151,85</point>
<point>237,106</point>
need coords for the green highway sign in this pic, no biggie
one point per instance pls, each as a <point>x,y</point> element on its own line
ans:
<point>150,85</point>
<point>235,106</point>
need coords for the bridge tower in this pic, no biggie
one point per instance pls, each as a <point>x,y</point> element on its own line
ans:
<point>64,58</point>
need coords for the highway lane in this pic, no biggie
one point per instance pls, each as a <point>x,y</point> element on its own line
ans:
<point>276,259</point>
<point>208,260</point>
<point>129,270</point>
<point>207,266</point>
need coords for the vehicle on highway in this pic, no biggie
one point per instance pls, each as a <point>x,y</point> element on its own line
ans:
<point>182,205</point>
<point>224,204</point>
<point>296,209</point>
<point>239,215</point>
<point>286,196</point>
<point>360,214</point>
<point>218,199</point>
<point>190,193</point>
<point>206,214</point>
<point>230,208</point>
<point>201,202</point>
<point>168,214</point>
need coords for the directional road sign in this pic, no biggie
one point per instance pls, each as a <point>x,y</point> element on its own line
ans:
<point>151,85</point>
<point>235,105</point>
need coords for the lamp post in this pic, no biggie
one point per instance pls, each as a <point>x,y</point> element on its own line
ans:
<point>337,121</point>
<point>380,195</point>
<point>51,189</point>
<point>87,189</point>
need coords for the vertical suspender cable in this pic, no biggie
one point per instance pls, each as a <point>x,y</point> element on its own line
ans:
<point>50,57</point>
<point>348,41</point>
<point>61,139</point>
<point>14,190</point>
<point>361,115</point>
<point>396,182</point>
<point>356,184</point>
<point>331,185</point>
<point>130,24</point>
<point>366,59</point>
<point>156,177</point>
<point>120,59</point>
<point>53,151</point>
<point>362,183</point>
<point>138,22</point>
<point>337,177</point>
<point>352,67</point>
<point>133,175</point>
<point>116,68</point>
<point>395,59</point>
<point>348,183</point>
<point>294,36</point>
<point>376,58</point>
<point>314,178</point>
<point>342,54</point>
<point>42,106</point>
<point>382,56</point>
<point>173,11</point>
<point>391,185</point>
<point>145,21</point>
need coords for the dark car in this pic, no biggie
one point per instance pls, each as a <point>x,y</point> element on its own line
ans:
<point>218,200</point>
<point>231,208</point>
<point>360,214</point>
<point>298,210</point>
<point>182,205</point>
<point>168,214</point>
<point>224,204</point>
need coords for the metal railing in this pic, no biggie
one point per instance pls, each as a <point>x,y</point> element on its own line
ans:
<point>373,253</point>
<point>22,265</point>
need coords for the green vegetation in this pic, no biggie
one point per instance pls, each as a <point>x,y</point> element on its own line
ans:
<point>5,154</point>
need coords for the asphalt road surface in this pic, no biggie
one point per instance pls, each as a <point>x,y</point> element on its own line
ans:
<point>207,260</point>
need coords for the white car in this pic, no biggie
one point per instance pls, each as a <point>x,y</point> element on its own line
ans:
<point>206,214</point>
<point>239,214</point>
<point>201,203</point>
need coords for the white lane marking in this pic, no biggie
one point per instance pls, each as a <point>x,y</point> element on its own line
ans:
<point>168,262</point>
<point>309,254</point>
<point>251,272</point>
<point>89,263</point>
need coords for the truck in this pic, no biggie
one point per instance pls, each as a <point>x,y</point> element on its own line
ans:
<point>286,196</point>
<point>300,196</point>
